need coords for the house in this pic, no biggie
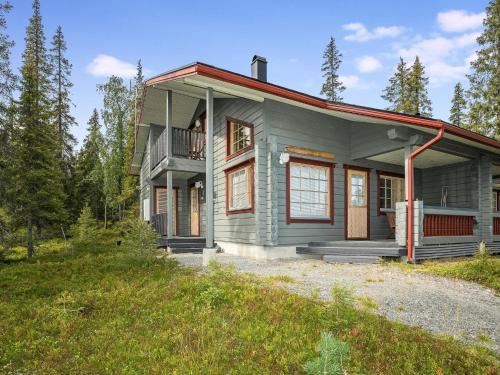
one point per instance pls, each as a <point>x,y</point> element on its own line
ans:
<point>269,172</point>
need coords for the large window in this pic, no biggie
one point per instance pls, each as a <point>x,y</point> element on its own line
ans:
<point>309,191</point>
<point>239,137</point>
<point>239,188</point>
<point>391,191</point>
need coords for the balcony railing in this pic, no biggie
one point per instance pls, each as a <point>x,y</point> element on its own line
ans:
<point>186,143</point>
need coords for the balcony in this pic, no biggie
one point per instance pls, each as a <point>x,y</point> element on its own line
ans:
<point>186,144</point>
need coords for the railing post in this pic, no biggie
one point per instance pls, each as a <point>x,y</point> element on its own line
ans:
<point>209,189</point>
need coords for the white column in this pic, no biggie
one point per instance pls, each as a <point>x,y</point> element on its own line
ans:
<point>209,188</point>
<point>168,129</point>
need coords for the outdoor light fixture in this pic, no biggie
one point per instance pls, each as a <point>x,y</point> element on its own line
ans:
<point>197,123</point>
<point>284,158</point>
<point>198,184</point>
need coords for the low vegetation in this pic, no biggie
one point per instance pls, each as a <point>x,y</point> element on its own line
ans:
<point>482,268</point>
<point>96,307</point>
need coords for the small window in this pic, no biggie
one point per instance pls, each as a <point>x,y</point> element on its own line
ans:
<point>495,201</point>
<point>239,137</point>
<point>160,200</point>
<point>309,191</point>
<point>239,188</point>
<point>391,191</point>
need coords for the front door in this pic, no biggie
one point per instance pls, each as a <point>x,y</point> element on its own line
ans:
<point>194,211</point>
<point>357,204</point>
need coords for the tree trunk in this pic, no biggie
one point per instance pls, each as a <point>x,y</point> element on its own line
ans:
<point>30,238</point>
<point>105,215</point>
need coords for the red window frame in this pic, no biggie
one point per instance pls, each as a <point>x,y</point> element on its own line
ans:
<point>234,168</point>
<point>318,163</point>
<point>389,174</point>
<point>230,120</point>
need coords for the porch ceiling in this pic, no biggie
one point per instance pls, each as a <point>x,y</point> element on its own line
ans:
<point>429,159</point>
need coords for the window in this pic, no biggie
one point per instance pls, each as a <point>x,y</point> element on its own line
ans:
<point>239,137</point>
<point>495,200</point>
<point>239,188</point>
<point>160,200</point>
<point>391,190</point>
<point>309,191</point>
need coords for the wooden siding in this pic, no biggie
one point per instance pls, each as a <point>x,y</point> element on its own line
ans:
<point>448,225</point>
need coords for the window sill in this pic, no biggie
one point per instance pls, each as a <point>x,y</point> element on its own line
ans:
<point>240,211</point>
<point>310,220</point>
<point>240,152</point>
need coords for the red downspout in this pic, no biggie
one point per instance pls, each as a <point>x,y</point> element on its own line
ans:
<point>409,193</point>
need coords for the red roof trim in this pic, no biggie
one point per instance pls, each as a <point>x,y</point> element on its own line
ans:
<point>230,77</point>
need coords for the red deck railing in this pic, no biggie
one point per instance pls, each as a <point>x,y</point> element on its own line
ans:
<point>496,225</point>
<point>448,225</point>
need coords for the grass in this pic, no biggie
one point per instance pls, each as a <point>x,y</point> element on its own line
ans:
<point>484,270</point>
<point>100,310</point>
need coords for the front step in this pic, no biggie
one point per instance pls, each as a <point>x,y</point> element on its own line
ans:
<point>356,259</point>
<point>349,251</point>
<point>181,245</point>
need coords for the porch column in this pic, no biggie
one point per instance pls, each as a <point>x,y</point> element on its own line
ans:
<point>209,188</point>
<point>168,129</point>
<point>408,150</point>
<point>485,199</point>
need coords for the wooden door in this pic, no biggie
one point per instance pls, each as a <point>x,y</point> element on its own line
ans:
<point>194,211</point>
<point>357,204</point>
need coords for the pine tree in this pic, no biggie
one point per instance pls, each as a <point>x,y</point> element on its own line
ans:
<point>89,169</point>
<point>37,183</point>
<point>396,93</point>
<point>115,114</point>
<point>130,193</point>
<point>418,99</point>
<point>484,91</point>
<point>62,118</point>
<point>332,87</point>
<point>458,103</point>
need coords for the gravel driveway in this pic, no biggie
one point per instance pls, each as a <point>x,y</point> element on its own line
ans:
<point>444,306</point>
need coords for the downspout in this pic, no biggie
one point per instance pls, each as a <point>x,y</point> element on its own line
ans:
<point>437,138</point>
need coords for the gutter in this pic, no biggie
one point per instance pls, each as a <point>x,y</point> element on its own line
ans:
<point>409,193</point>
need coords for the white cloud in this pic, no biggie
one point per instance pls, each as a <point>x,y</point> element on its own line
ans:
<point>459,20</point>
<point>105,65</point>
<point>436,54</point>
<point>361,34</point>
<point>353,82</point>
<point>368,64</point>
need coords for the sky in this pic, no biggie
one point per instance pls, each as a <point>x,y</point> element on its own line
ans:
<point>108,37</point>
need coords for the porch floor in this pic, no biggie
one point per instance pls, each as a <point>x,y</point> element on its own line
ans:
<point>352,251</point>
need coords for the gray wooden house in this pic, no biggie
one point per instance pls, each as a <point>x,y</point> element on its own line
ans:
<point>266,171</point>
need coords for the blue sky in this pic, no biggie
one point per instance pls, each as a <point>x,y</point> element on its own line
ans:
<point>107,37</point>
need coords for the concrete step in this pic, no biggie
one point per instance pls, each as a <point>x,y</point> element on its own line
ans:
<point>349,251</point>
<point>180,240</point>
<point>184,250</point>
<point>356,259</point>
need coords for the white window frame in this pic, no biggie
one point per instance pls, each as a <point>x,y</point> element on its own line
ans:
<point>392,199</point>
<point>244,188</point>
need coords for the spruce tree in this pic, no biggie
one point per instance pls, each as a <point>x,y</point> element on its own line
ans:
<point>484,91</point>
<point>418,99</point>
<point>89,169</point>
<point>7,107</point>
<point>396,93</point>
<point>61,117</point>
<point>115,115</point>
<point>458,103</point>
<point>37,183</point>
<point>332,58</point>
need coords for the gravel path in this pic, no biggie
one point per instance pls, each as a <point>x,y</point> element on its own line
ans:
<point>444,306</point>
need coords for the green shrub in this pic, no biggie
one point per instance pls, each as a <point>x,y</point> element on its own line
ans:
<point>84,230</point>
<point>333,357</point>
<point>140,238</point>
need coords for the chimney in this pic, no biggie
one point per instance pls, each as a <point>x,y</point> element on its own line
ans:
<point>259,68</point>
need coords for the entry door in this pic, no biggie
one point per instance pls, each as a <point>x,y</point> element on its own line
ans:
<point>195,211</point>
<point>357,204</point>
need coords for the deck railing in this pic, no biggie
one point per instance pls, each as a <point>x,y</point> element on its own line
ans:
<point>185,144</point>
<point>448,225</point>
<point>159,223</point>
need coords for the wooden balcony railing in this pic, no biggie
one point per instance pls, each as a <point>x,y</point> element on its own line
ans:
<point>185,144</point>
<point>448,225</point>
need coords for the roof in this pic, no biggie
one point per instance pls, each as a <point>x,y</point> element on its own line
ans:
<point>202,69</point>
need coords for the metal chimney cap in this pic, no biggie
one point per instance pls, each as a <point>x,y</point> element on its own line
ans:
<point>259,58</point>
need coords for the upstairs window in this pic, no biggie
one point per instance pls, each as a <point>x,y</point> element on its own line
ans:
<point>239,137</point>
<point>391,191</point>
